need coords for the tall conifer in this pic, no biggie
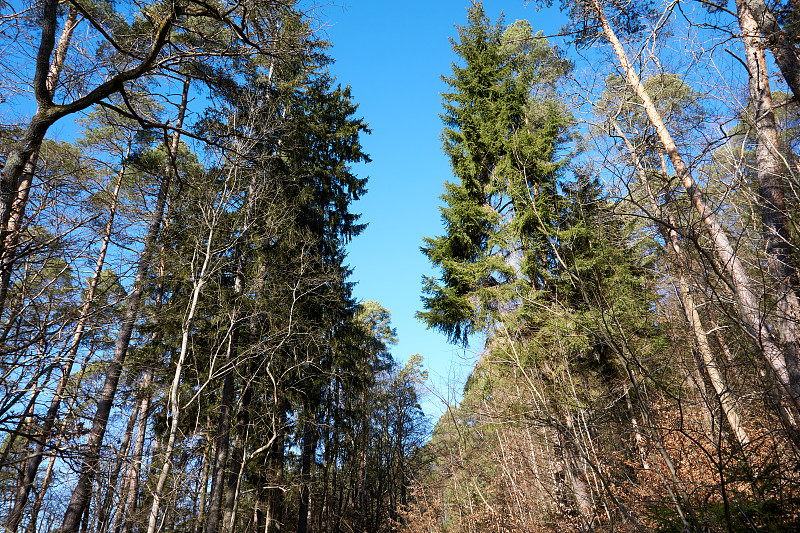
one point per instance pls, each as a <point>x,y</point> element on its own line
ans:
<point>502,146</point>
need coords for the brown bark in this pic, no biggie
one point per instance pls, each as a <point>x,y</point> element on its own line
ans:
<point>112,489</point>
<point>22,157</point>
<point>126,510</point>
<point>307,451</point>
<point>671,238</point>
<point>784,51</point>
<point>221,447</point>
<point>47,426</point>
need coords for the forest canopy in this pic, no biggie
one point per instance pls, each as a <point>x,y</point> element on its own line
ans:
<point>180,344</point>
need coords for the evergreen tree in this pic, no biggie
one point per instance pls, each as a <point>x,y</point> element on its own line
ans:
<point>502,146</point>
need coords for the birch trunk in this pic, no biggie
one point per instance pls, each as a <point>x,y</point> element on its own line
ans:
<point>174,399</point>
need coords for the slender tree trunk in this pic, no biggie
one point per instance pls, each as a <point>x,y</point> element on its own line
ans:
<point>237,456</point>
<point>670,235</point>
<point>174,399</point>
<point>201,513</point>
<point>124,513</point>
<point>61,436</point>
<point>243,414</point>
<point>780,44</point>
<point>771,172</point>
<point>274,513</point>
<point>125,510</point>
<point>362,462</point>
<point>55,403</point>
<point>580,489</point>
<point>111,491</point>
<point>308,449</point>
<point>24,418</point>
<point>749,306</point>
<point>105,400</point>
<point>12,204</point>
<point>221,446</point>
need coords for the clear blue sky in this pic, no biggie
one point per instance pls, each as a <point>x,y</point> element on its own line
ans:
<point>393,55</point>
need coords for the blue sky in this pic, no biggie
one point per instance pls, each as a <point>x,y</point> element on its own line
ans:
<point>393,55</point>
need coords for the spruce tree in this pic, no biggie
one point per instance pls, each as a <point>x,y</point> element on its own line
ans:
<point>502,145</point>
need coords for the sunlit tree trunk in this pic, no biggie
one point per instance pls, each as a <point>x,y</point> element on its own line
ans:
<point>749,306</point>
<point>780,43</point>
<point>112,492</point>
<point>14,192</point>
<point>772,171</point>
<point>105,400</point>
<point>671,238</point>
<point>55,403</point>
<point>127,506</point>
<point>200,278</point>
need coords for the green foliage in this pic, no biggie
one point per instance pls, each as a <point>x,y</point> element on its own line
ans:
<point>502,144</point>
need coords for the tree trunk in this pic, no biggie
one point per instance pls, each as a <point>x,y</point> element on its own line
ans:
<point>13,202</point>
<point>237,456</point>
<point>105,400</point>
<point>51,464</point>
<point>308,450</point>
<point>124,512</point>
<point>749,306</point>
<point>771,176</point>
<point>221,446</point>
<point>174,399</point>
<point>273,514</point>
<point>201,513</point>
<point>55,403</point>
<point>671,238</point>
<point>580,489</point>
<point>111,491</point>
<point>783,50</point>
